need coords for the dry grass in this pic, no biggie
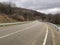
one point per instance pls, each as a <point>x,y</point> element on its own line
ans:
<point>5,18</point>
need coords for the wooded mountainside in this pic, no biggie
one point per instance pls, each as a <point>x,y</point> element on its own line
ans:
<point>12,14</point>
<point>54,18</point>
<point>17,14</point>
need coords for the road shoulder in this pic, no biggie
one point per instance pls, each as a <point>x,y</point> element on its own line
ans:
<point>55,35</point>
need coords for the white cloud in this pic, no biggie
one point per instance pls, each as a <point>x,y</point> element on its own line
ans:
<point>45,6</point>
<point>24,0</point>
<point>4,0</point>
<point>36,4</point>
<point>52,11</point>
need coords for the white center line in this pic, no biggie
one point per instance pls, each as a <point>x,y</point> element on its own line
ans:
<point>18,31</point>
<point>45,39</point>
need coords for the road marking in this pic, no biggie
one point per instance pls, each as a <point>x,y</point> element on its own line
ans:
<point>17,31</point>
<point>45,39</point>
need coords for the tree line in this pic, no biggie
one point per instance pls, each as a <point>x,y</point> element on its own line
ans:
<point>21,14</point>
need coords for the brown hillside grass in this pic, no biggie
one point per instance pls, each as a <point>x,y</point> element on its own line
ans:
<point>5,18</point>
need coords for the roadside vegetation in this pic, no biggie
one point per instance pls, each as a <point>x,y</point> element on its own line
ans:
<point>10,13</point>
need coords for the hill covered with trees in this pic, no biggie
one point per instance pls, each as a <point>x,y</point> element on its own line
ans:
<point>54,18</point>
<point>13,14</point>
<point>9,14</point>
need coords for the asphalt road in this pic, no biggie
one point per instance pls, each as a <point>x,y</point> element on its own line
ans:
<point>35,33</point>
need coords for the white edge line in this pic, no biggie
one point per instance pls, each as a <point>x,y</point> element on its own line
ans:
<point>16,32</point>
<point>45,39</point>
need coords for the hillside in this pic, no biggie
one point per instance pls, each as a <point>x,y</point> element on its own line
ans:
<point>11,14</point>
<point>54,18</point>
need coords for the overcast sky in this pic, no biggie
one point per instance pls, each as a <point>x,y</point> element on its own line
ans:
<point>37,4</point>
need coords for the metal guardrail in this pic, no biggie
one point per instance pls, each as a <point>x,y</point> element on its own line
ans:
<point>56,27</point>
<point>14,23</point>
<point>6,24</point>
